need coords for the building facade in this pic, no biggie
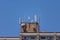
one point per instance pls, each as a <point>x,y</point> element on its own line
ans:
<point>30,31</point>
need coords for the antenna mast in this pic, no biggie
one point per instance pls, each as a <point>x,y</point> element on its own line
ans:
<point>35,18</point>
<point>28,19</point>
<point>39,22</point>
<point>20,20</point>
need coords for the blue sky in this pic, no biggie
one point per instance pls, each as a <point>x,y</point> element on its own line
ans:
<point>11,10</point>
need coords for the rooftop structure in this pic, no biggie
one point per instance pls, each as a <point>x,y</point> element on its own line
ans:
<point>30,31</point>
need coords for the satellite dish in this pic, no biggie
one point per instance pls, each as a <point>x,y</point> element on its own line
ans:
<point>22,24</point>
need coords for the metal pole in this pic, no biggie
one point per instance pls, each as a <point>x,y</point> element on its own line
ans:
<point>54,36</point>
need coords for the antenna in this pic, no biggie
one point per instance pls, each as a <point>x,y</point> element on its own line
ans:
<point>28,18</point>
<point>20,20</point>
<point>35,18</point>
<point>38,22</point>
<point>39,19</point>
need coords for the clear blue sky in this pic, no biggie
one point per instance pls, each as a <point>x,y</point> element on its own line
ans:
<point>11,10</point>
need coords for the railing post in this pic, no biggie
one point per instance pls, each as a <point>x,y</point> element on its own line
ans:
<point>38,36</point>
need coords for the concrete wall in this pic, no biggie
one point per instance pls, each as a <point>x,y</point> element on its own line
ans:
<point>41,34</point>
<point>9,38</point>
<point>30,27</point>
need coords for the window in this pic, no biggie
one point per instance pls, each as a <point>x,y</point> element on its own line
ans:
<point>43,37</point>
<point>50,37</point>
<point>32,37</point>
<point>25,37</point>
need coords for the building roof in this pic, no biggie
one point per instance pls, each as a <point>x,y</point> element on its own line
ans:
<point>41,34</point>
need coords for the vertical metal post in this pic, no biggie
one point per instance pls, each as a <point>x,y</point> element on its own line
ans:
<point>38,23</point>
<point>54,36</point>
